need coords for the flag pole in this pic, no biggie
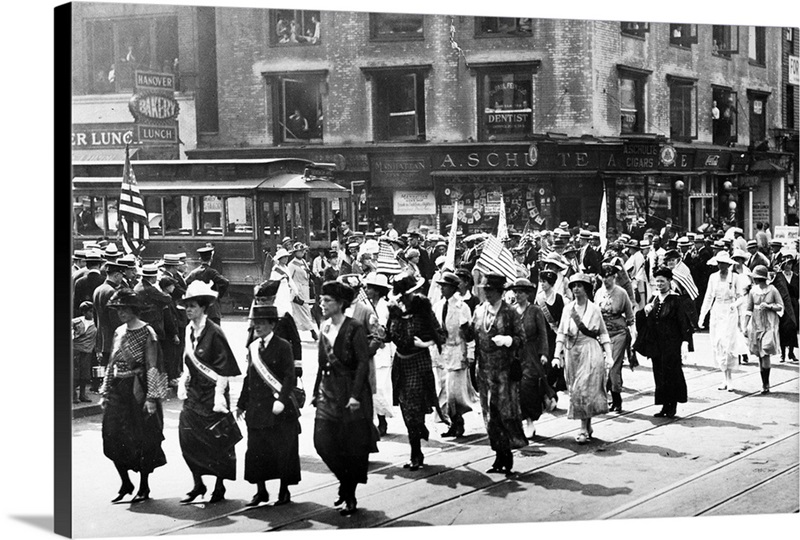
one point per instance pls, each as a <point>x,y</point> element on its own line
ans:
<point>603,225</point>
<point>450,256</point>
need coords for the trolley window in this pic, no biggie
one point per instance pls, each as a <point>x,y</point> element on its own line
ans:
<point>239,216</point>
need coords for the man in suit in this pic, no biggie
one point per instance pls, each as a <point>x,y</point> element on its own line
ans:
<point>775,246</point>
<point>86,284</point>
<point>153,301</point>
<point>130,276</point>
<point>426,266</point>
<point>106,318</point>
<point>172,269</point>
<point>206,273</point>
<point>588,258</point>
<point>78,265</point>
<point>756,257</point>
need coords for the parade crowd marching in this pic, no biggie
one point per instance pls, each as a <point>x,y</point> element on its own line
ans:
<point>498,325</point>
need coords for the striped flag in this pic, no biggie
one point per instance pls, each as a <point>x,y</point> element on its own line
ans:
<point>387,261</point>
<point>132,221</point>
<point>362,296</point>
<point>496,259</point>
<point>450,255</point>
<point>502,226</point>
<point>683,277</point>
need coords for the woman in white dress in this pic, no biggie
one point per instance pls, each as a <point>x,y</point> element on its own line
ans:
<point>377,287</point>
<point>300,275</point>
<point>723,292</point>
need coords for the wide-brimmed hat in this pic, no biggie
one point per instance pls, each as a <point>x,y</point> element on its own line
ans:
<point>338,291</point>
<point>495,282</point>
<point>407,284</point>
<point>281,253</point>
<point>298,246</point>
<point>522,284</point>
<point>380,281</point>
<point>94,256</point>
<point>464,274</point>
<point>449,278</point>
<point>149,270</point>
<point>556,259</point>
<point>199,289</point>
<point>263,312</point>
<point>608,269</point>
<point>738,230</point>
<point>124,298</point>
<point>632,243</point>
<point>440,260</point>
<point>740,254</point>
<point>760,272</point>
<point>722,257</point>
<point>581,278</point>
<point>267,288</point>
<point>351,280</point>
<point>569,250</point>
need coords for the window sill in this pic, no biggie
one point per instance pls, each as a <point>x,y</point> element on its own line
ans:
<point>754,63</point>
<point>721,55</point>
<point>634,36</point>
<point>291,45</point>
<point>314,142</point>
<point>489,35</point>
<point>681,47</point>
<point>687,139</point>
<point>410,37</point>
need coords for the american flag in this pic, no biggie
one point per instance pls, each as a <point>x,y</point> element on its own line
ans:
<point>387,261</point>
<point>683,277</point>
<point>132,216</point>
<point>496,259</point>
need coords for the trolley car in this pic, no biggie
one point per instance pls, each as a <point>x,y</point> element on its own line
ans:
<point>245,208</point>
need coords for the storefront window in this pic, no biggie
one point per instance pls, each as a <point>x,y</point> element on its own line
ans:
<point>209,215</point>
<point>506,101</point>
<point>396,26</point>
<point>631,202</point>
<point>239,216</point>
<point>503,26</point>
<point>724,117</point>
<point>725,40</point>
<point>659,200</point>
<point>683,35</point>
<point>702,201</point>
<point>294,27</point>
<point>400,106</point>
<point>178,215</point>
<point>637,29</point>
<point>118,47</point>
<point>299,115</point>
<point>682,108</point>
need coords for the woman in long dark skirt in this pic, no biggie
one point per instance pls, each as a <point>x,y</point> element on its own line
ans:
<point>786,283</point>
<point>204,387</point>
<point>533,388</point>
<point>132,390</point>
<point>552,305</point>
<point>344,434</point>
<point>413,328</point>
<point>267,402</point>
<point>668,330</point>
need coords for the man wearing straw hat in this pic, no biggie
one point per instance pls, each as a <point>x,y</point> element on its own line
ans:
<point>88,283</point>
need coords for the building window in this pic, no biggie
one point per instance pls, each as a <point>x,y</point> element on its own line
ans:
<point>790,110</point>
<point>294,27</point>
<point>756,49</point>
<point>396,26</point>
<point>683,35</point>
<point>724,116</point>
<point>118,47</point>
<point>400,106</point>
<point>503,26</point>
<point>505,105</point>
<point>725,40</point>
<point>682,108</point>
<point>297,100</point>
<point>632,101</point>
<point>636,29</point>
<point>758,115</point>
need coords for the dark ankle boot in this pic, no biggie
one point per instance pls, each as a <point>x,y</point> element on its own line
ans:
<point>382,426</point>
<point>765,381</point>
<point>616,402</point>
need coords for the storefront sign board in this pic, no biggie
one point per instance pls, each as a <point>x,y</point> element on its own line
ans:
<point>410,203</point>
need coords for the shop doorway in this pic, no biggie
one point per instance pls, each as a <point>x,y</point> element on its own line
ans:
<point>570,211</point>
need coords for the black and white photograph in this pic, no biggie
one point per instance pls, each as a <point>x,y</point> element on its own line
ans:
<point>328,266</point>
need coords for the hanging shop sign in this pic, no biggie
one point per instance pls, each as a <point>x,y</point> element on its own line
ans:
<point>154,107</point>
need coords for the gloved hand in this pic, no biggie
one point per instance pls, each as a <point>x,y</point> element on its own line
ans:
<point>684,351</point>
<point>183,384</point>
<point>220,405</point>
<point>277,408</point>
<point>502,341</point>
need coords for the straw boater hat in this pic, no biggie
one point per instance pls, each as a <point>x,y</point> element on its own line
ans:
<point>752,244</point>
<point>199,289</point>
<point>581,278</point>
<point>112,267</point>
<point>449,278</point>
<point>585,235</point>
<point>149,270</point>
<point>171,260</point>
<point>440,260</point>
<point>554,258</point>
<point>269,313</point>
<point>522,284</point>
<point>699,238</point>
<point>684,241</point>
<point>633,243</point>
<point>94,256</point>
<point>379,281</point>
<point>407,284</point>
<point>646,243</point>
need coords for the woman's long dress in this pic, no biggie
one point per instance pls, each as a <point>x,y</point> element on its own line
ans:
<point>585,369</point>
<point>382,397</point>
<point>203,453</point>
<point>131,437</point>
<point>720,299</point>
<point>667,325</point>
<point>300,274</point>
<point>552,316</point>
<point>533,387</point>
<point>763,336</point>
<point>456,396</point>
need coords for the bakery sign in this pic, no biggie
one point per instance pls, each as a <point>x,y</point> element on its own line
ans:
<point>154,107</point>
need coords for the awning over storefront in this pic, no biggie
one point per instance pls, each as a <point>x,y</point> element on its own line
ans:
<point>766,166</point>
<point>283,182</point>
<point>103,154</point>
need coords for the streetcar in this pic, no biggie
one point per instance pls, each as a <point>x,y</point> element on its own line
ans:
<point>244,208</point>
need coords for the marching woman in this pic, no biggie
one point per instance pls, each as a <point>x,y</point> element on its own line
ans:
<point>535,395</point>
<point>552,305</point>
<point>376,287</point>
<point>344,434</point>
<point>413,328</point>
<point>583,335</point>
<point>204,388</point>
<point>723,292</point>
<point>135,383</point>
<point>270,409</point>
<point>763,310</point>
<point>498,337</point>
<point>665,340</point>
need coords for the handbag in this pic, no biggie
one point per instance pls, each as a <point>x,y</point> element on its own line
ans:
<point>226,429</point>
<point>299,394</point>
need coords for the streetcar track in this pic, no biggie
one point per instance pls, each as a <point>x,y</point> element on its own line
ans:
<point>749,488</point>
<point>467,464</point>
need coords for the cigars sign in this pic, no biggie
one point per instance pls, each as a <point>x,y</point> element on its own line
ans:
<point>154,107</point>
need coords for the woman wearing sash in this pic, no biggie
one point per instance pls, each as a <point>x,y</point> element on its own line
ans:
<point>204,389</point>
<point>344,434</point>
<point>265,294</point>
<point>552,305</point>
<point>133,388</point>
<point>580,343</point>
<point>287,288</point>
<point>267,402</point>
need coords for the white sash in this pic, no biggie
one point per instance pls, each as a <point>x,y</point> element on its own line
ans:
<point>263,371</point>
<point>188,351</point>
